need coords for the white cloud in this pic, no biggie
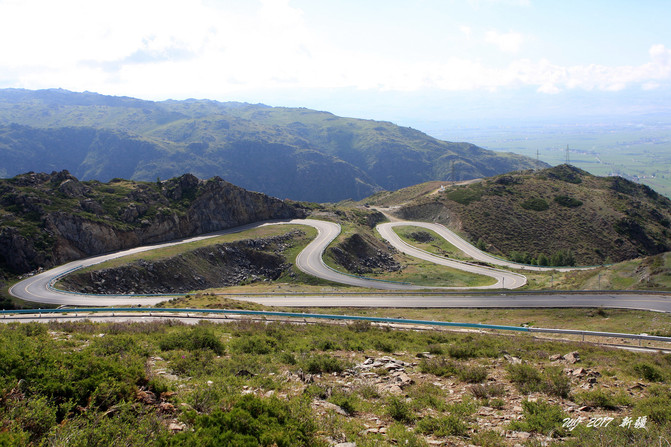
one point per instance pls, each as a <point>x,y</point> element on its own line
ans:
<point>509,42</point>
<point>170,48</point>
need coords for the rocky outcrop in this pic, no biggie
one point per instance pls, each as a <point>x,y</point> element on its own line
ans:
<point>364,254</point>
<point>213,266</point>
<point>48,219</point>
<point>17,253</point>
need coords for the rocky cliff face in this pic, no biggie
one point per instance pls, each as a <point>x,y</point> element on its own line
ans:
<point>49,219</point>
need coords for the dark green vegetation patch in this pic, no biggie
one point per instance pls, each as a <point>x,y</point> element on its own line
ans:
<point>568,202</point>
<point>535,204</point>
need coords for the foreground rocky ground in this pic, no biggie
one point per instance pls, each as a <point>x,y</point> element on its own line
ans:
<point>270,383</point>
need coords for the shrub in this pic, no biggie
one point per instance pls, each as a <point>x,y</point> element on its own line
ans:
<point>561,258</point>
<point>438,366</point>
<point>488,438</point>
<point>649,372</point>
<point>399,410</point>
<point>323,363</point>
<point>601,399</point>
<point>463,409</point>
<point>525,377</point>
<point>193,363</point>
<point>449,425</point>
<point>251,421</point>
<point>426,395</point>
<point>529,380</point>
<point>345,400</point>
<point>404,437</point>
<point>497,403</point>
<point>657,406</point>
<point>254,344</point>
<point>472,374</point>
<point>488,390</point>
<point>568,202</point>
<point>197,337</point>
<point>541,417</point>
<point>368,391</point>
<point>535,204</point>
<point>462,351</point>
<point>384,345</point>
<point>34,416</point>
<point>465,195</point>
<point>435,349</point>
<point>556,383</point>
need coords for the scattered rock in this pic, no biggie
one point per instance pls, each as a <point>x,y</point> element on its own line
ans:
<point>572,357</point>
<point>329,406</point>
<point>146,397</point>
<point>166,407</point>
<point>176,426</point>
<point>512,360</point>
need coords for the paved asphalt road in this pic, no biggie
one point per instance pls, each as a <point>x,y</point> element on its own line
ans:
<point>479,255</point>
<point>658,303</point>
<point>37,288</point>
<point>504,279</point>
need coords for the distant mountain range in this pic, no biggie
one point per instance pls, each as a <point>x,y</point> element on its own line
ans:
<point>292,153</point>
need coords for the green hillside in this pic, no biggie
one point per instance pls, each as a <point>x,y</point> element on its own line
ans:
<point>297,153</point>
<point>556,216</point>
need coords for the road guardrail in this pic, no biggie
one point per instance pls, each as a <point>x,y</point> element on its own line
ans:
<point>190,313</point>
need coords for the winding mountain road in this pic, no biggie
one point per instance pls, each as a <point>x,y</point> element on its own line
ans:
<point>39,288</point>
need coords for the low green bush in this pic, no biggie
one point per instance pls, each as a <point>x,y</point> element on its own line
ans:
<point>540,417</point>
<point>529,379</point>
<point>251,421</point>
<point>649,372</point>
<point>438,366</point>
<point>346,400</point>
<point>450,425</point>
<point>398,409</point>
<point>535,204</point>
<point>567,201</point>
<point>472,374</point>
<point>526,377</point>
<point>484,391</point>
<point>599,398</point>
<point>198,337</point>
<point>323,363</point>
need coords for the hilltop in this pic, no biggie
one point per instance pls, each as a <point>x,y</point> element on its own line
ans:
<point>556,216</point>
<point>297,153</point>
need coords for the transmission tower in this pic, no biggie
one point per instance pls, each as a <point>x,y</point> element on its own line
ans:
<point>568,161</point>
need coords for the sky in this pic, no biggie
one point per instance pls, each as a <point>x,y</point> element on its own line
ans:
<point>408,61</point>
